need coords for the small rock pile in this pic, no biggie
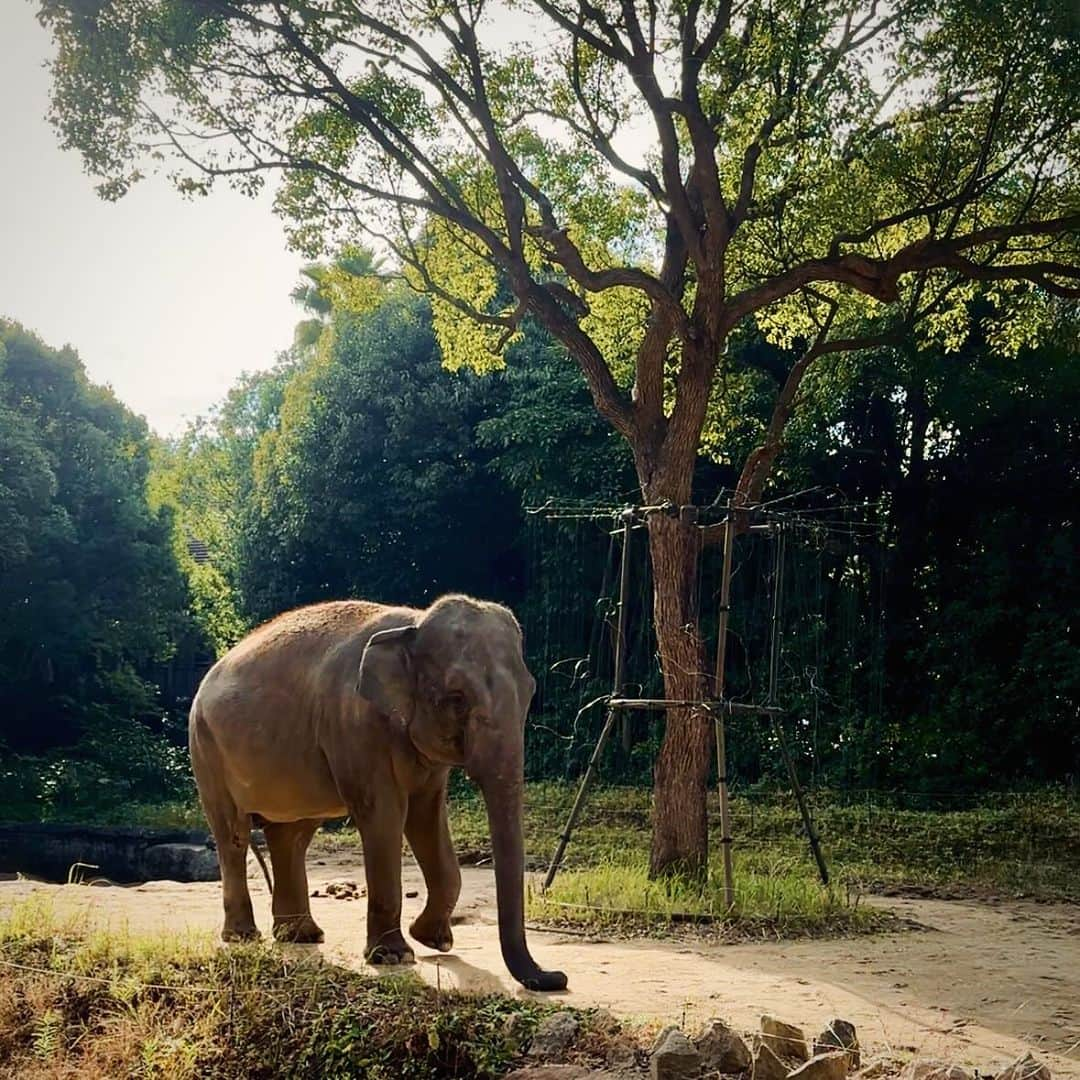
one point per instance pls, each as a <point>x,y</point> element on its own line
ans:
<point>341,890</point>
<point>778,1051</point>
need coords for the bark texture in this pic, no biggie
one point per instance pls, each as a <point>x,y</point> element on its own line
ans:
<point>680,842</point>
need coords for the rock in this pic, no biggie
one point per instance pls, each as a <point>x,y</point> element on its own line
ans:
<point>180,862</point>
<point>344,890</point>
<point>622,1059</point>
<point>554,1035</point>
<point>840,1035</point>
<point>1025,1068</point>
<point>723,1050</point>
<point>664,1033</point>
<point>829,1066</point>
<point>123,855</point>
<point>932,1069</point>
<point>675,1058</point>
<point>767,1065</point>
<point>786,1041</point>
<point>604,1020</point>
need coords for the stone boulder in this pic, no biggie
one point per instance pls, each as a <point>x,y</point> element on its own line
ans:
<point>674,1057</point>
<point>179,862</point>
<point>723,1050</point>
<point>786,1041</point>
<point>828,1066</point>
<point>933,1069</point>
<point>840,1035</point>
<point>767,1064</point>
<point>554,1035</point>
<point>880,1068</point>
<point>1025,1068</point>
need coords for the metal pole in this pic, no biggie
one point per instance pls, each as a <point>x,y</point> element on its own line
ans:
<point>609,720</point>
<point>718,720</point>
<point>778,730</point>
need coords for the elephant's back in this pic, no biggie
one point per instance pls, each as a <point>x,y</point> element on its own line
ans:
<point>314,623</point>
<point>293,656</point>
<point>258,717</point>
<point>303,635</point>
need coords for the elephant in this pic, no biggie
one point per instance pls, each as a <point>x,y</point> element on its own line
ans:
<point>358,709</point>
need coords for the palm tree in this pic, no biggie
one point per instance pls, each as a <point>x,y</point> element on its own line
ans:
<point>315,292</point>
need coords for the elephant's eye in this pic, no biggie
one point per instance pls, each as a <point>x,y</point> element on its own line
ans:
<point>456,703</point>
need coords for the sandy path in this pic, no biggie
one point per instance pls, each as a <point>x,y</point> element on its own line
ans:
<point>981,984</point>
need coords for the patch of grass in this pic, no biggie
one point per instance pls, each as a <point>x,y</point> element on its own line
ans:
<point>1020,844</point>
<point>78,1002</point>
<point>778,900</point>
<point>1024,844</point>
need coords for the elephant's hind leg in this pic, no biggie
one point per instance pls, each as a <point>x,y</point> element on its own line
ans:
<point>288,843</point>
<point>428,831</point>
<point>232,833</point>
<point>231,829</point>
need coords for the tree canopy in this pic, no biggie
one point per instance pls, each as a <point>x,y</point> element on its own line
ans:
<point>91,598</point>
<point>652,177</point>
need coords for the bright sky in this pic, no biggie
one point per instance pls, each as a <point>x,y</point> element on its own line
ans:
<point>166,300</point>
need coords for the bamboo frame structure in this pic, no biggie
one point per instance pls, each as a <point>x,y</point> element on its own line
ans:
<point>717,705</point>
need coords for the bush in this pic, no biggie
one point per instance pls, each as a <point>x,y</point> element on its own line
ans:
<point>114,764</point>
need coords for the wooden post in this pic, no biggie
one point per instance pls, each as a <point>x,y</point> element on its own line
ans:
<point>609,720</point>
<point>718,716</point>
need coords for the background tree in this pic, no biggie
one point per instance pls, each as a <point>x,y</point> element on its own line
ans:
<point>207,480</point>
<point>806,162</point>
<point>351,282</point>
<point>91,599</point>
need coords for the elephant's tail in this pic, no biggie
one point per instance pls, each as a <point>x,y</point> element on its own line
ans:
<point>256,846</point>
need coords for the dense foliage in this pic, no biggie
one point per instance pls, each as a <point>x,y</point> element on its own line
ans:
<point>91,599</point>
<point>935,647</point>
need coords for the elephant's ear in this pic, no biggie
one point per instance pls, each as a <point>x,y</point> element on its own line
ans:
<point>386,671</point>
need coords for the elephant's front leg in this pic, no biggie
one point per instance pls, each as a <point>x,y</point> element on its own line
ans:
<point>382,824</point>
<point>428,831</point>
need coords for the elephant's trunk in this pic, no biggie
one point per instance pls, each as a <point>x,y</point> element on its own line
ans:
<point>503,796</point>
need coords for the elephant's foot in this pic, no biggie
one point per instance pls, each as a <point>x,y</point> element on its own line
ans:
<point>389,949</point>
<point>433,932</point>
<point>300,930</point>
<point>241,932</point>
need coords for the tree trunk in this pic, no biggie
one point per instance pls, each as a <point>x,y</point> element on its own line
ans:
<point>680,842</point>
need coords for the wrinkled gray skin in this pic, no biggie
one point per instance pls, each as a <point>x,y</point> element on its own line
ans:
<point>358,709</point>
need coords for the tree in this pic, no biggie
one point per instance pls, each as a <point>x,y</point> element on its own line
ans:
<point>806,163</point>
<point>972,458</point>
<point>90,596</point>
<point>373,469</point>
<point>351,281</point>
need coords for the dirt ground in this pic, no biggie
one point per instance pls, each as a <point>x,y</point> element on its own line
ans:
<point>979,983</point>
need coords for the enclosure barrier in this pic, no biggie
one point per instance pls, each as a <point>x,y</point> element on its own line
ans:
<point>718,706</point>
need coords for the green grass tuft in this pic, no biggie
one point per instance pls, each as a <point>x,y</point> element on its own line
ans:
<point>781,899</point>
